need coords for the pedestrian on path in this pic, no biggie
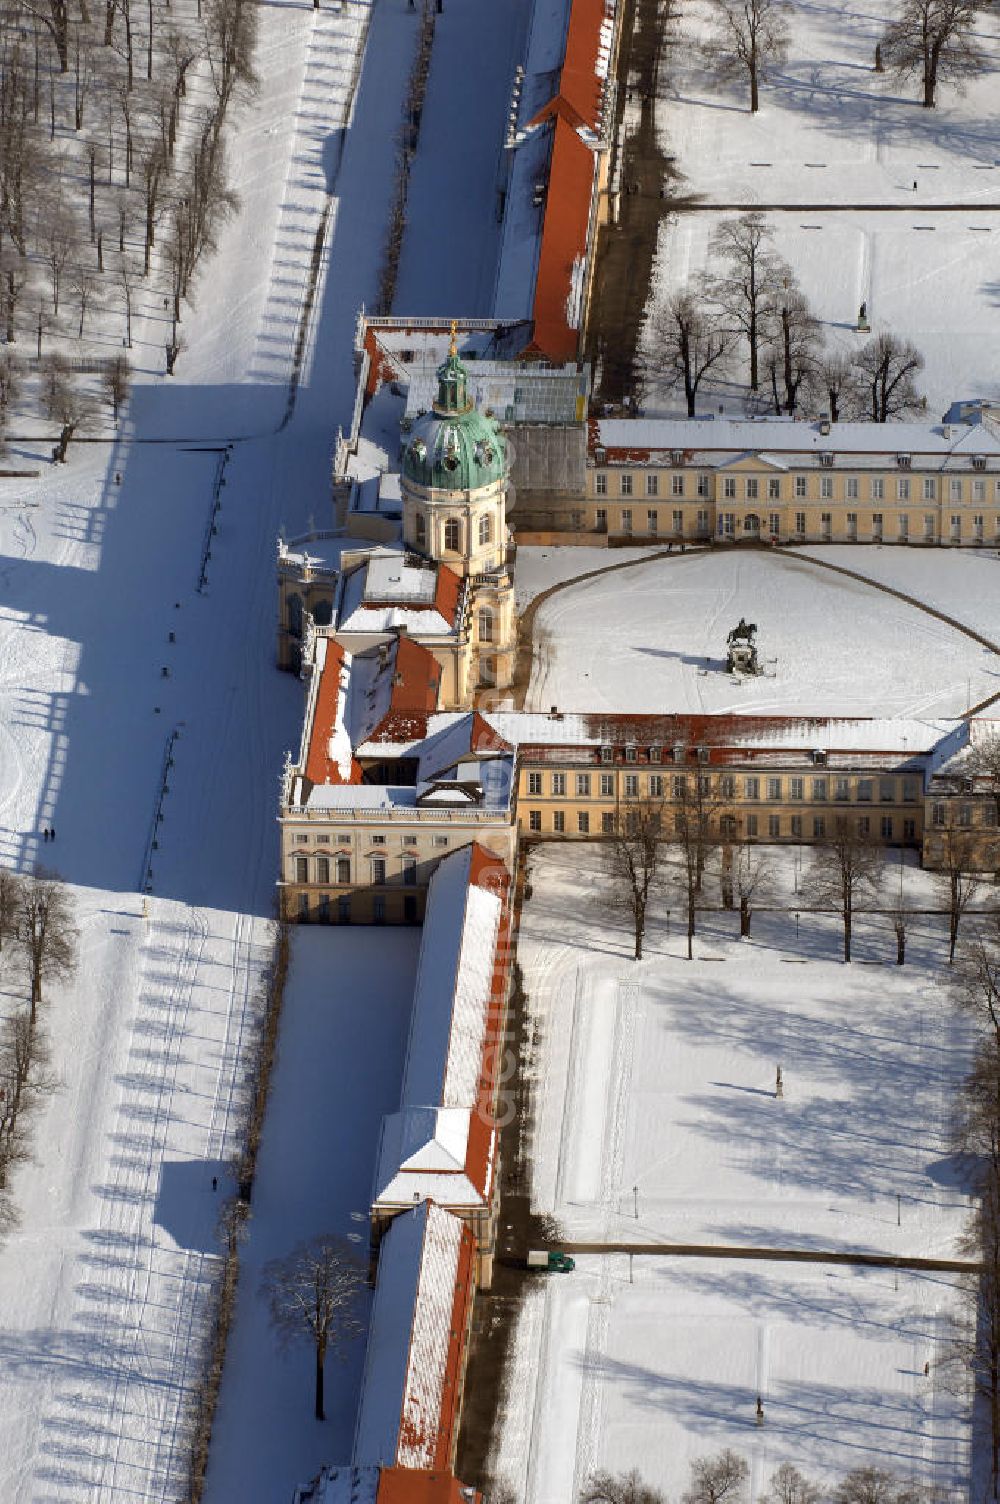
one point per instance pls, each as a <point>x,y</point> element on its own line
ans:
<point>779,1083</point>
<point>45,833</point>
<point>215,1182</point>
<point>760,1411</point>
<point>52,833</point>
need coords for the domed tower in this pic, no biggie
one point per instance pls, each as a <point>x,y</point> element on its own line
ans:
<point>454,488</point>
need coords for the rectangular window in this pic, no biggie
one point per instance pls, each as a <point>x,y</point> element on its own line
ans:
<point>607,754</point>
<point>583,823</point>
<point>930,488</point>
<point>826,523</point>
<point>864,825</point>
<point>678,521</point>
<point>979,490</point>
<point>322,869</point>
<point>903,488</point>
<point>631,753</point>
<point>819,827</point>
<point>601,483</point>
<point>774,788</point>
<point>751,825</point>
<point>819,789</point>
<point>652,483</point>
<point>626,519</point>
<point>904,526</point>
<point>826,487</point>
<point>631,785</point>
<point>955,490</point>
<point>652,520</point>
<point>607,823</point>
<point>877,488</point>
<point>558,785</point>
<point>909,790</point>
<point>877,524</point>
<point>343,870</point>
<point>301,869</point>
<point>656,785</point>
<point>887,790</point>
<point>727,524</point>
<point>607,785</point>
<point>625,484</point>
<point>704,485</point>
<point>928,529</point>
<point>378,870</point>
<point>729,488</point>
<point>343,909</point>
<point>677,485</point>
<point>534,819</point>
<point>801,486</point>
<point>886,827</point>
<point>852,488</point>
<point>378,909</point>
<point>774,488</point>
<point>301,840</point>
<point>601,519</point>
<point>774,826</point>
<point>703,523</point>
<point>410,871</point>
<point>751,788</point>
<point>439,840</point>
<point>535,784</point>
<point>937,814</point>
<point>378,840</point>
<point>583,785</point>
<point>559,821</point>
<point>797,827</point>
<point>796,788</point>
<point>774,524</point>
<point>842,788</point>
<point>909,830</point>
<point>800,523</point>
<point>409,840</point>
<point>678,786</point>
<point>753,488</point>
<point>989,813</point>
<point>864,791</point>
<point>965,814</point>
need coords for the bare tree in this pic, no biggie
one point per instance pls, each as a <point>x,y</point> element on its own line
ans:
<point>46,932</point>
<point>65,402</point>
<point>10,904</point>
<point>751,870</point>
<point>717,1480</point>
<point>750,38</point>
<point>687,343</point>
<point>59,239</point>
<point>230,43</point>
<point>619,1488</point>
<point>315,1292</point>
<point>747,286</point>
<point>83,281</point>
<point>874,1485</point>
<point>984,762</point>
<point>789,1486</point>
<point>700,822</point>
<point>845,867</point>
<point>957,849</point>
<point>634,857</point>
<point>10,383</point>
<point>937,40</point>
<point>886,367</point>
<point>792,343</point>
<point>835,381</point>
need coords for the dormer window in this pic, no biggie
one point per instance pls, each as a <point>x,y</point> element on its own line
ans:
<point>678,752</point>
<point>677,456</point>
<point>600,454</point>
<point>607,754</point>
<point>703,754</point>
<point>903,461</point>
<point>826,458</point>
<point>979,462</point>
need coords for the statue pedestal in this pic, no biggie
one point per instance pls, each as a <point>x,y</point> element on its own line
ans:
<point>863,327</point>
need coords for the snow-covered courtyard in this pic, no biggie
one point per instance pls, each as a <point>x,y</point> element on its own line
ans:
<point>833,139</point>
<point>655,1120</point>
<point>653,636</point>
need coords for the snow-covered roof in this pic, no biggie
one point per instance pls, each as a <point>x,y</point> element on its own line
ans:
<point>453,993</point>
<point>714,440</point>
<point>389,591</point>
<point>410,1393</point>
<point>340,1485</point>
<point>422,1156</point>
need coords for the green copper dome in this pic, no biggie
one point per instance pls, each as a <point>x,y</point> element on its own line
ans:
<point>454,447</point>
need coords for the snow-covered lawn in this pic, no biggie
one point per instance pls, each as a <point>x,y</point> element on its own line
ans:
<point>538,569</point>
<point>831,131</point>
<point>963,583</point>
<point>653,638</point>
<point>344,1030</point>
<point>655,1120</point>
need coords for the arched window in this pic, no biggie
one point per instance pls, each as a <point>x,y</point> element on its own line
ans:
<point>420,530</point>
<point>485,624</point>
<point>453,534</point>
<point>485,529</point>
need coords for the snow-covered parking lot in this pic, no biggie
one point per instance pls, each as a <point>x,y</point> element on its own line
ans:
<point>655,1120</point>
<point>652,637</point>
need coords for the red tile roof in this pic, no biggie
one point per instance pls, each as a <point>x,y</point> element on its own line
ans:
<point>401,1485</point>
<point>581,89</point>
<point>565,234</point>
<point>447,593</point>
<point>489,872</point>
<point>320,768</point>
<point>416,680</point>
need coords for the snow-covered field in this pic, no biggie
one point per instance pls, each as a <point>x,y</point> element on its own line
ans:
<point>653,638</point>
<point>655,1120</point>
<point>832,132</point>
<point>538,569</point>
